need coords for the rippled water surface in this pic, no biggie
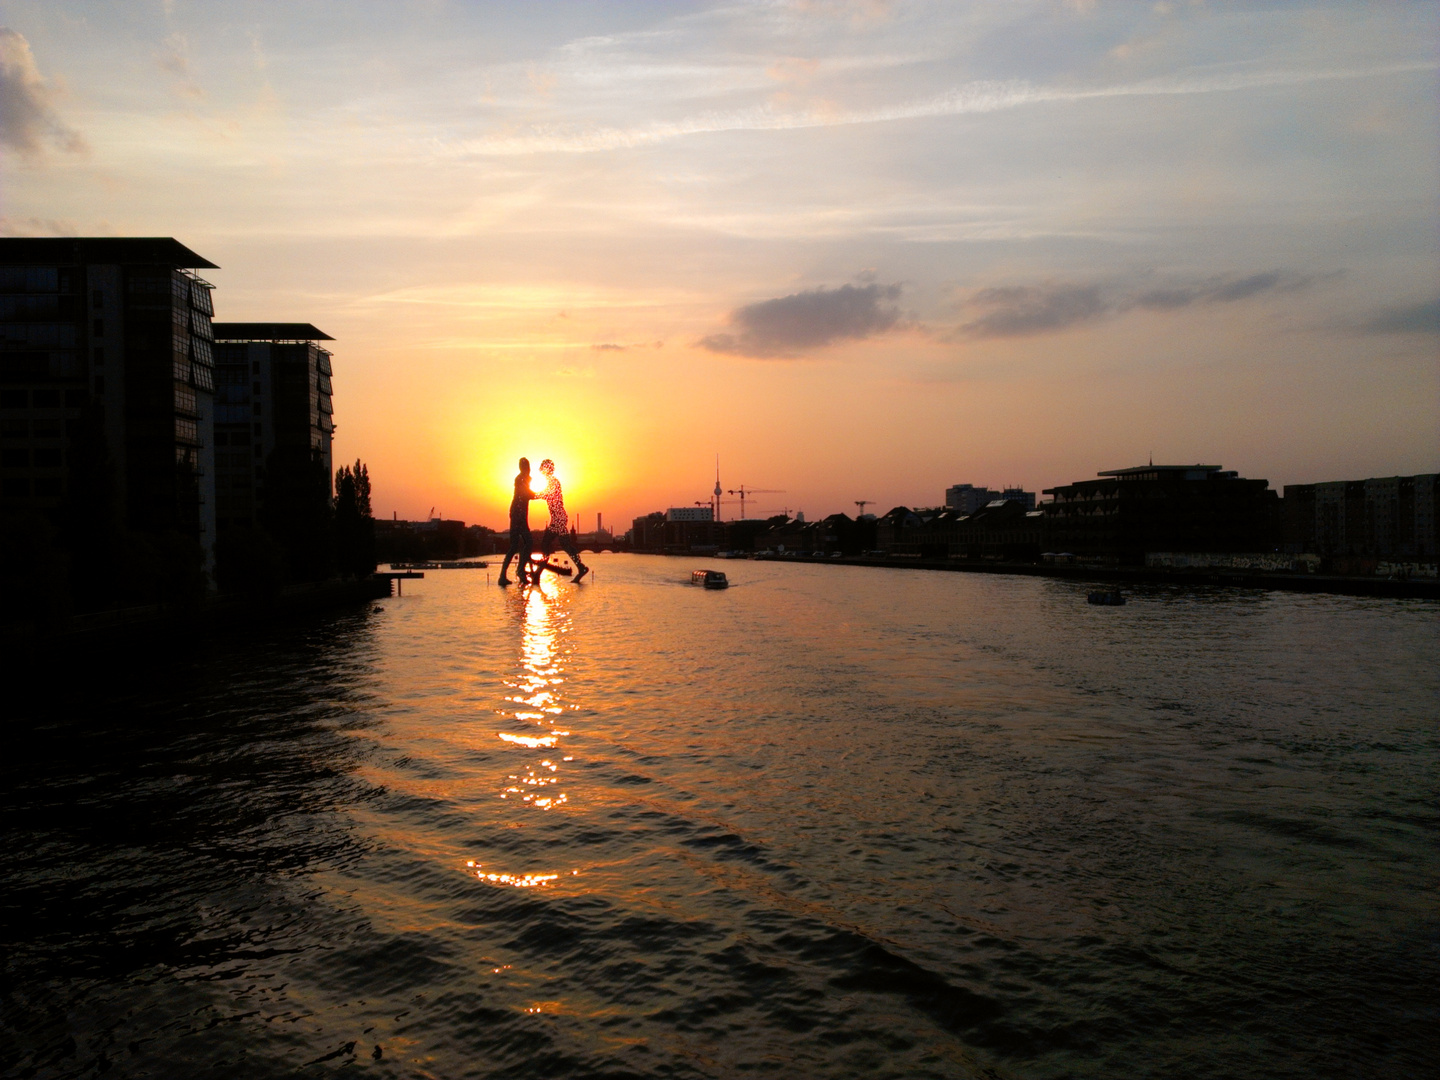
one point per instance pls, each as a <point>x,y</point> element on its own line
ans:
<point>832,822</point>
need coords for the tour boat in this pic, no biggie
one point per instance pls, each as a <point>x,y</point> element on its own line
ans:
<point>710,579</point>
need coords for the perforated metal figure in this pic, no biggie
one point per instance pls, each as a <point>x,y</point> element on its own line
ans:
<point>558,531</point>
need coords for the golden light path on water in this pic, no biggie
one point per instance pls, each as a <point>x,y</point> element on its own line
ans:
<point>535,698</point>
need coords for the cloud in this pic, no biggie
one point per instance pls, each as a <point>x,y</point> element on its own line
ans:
<point>1015,310</point>
<point>1221,289</point>
<point>789,325</point>
<point>611,346</point>
<point>174,59</point>
<point>38,226</point>
<point>28,119</point>
<point>983,96</point>
<point>1421,318</point>
<point>1019,310</point>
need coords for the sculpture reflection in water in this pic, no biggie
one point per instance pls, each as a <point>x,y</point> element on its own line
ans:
<point>533,713</point>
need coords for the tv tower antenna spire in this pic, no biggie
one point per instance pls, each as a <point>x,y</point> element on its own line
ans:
<point>717,487</point>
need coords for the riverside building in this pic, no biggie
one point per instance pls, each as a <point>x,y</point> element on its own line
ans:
<point>106,351</point>
<point>967,498</point>
<point>1128,512</point>
<point>274,418</point>
<point>1388,517</point>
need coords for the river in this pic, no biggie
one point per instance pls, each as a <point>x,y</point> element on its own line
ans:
<point>830,822</point>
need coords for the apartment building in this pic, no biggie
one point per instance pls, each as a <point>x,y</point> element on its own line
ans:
<point>106,351</point>
<point>273,412</point>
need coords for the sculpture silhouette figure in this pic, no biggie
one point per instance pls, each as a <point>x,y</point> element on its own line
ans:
<point>520,539</point>
<point>558,531</point>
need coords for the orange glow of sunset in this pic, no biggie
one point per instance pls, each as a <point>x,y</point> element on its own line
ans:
<point>854,249</point>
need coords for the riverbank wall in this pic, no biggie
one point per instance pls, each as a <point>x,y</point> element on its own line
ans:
<point>35,640</point>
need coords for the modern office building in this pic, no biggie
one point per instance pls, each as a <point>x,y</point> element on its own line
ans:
<point>686,532</point>
<point>273,412</point>
<point>967,498</point>
<point>1193,508</point>
<point>690,513</point>
<point>1026,499</point>
<point>105,349</point>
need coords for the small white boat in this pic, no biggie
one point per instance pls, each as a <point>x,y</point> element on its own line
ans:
<point>709,579</point>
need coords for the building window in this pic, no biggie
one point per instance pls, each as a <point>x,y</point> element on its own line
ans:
<point>97,327</point>
<point>15,459</point>
<point>184,398</point>
<point>75,398</point>
<point>186,429</point>
<point>257,409</point>
<point>29,279</point>
<point>97,298</point>
<point>99,356</point>
<point>99,385</point>
<point>16,487</point>
<point>15,429</point>
<point>46,429</point>
<point>257,431</point>
<point>47,459</point>
<point>14,399</point>
<point>47,486</point>
<point>47,399</point>
<point>24,366</point>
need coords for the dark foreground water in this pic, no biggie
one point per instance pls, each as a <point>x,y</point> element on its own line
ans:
<point>834,822</point>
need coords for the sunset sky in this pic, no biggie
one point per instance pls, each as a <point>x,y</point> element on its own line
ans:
<point>860,250</point>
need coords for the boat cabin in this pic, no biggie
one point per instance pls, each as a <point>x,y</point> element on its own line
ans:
<point>710,579</point>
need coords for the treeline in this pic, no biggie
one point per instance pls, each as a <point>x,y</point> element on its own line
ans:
<point>303,534</point>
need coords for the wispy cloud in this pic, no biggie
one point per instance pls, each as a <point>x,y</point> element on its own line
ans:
<point>1220,289</point>
<point>975,97</point>
<point>28,117</point>
<point>1014,310</point>
<point>612,346</point>
<point>790,325</point>
<point>1421,318</point>
<point>1050,307</point>
<point>173,58</point>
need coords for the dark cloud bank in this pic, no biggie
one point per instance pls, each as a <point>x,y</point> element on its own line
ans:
<point>789,325</point>
<point>1019,310</point>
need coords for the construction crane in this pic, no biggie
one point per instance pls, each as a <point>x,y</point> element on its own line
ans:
<point>745,493</point>
<point>862,503</point>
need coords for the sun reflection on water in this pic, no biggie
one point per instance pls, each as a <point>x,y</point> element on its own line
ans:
<point>533,702</point>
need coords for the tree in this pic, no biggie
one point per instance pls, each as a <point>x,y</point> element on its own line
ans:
<point>354,523</point>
